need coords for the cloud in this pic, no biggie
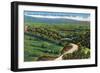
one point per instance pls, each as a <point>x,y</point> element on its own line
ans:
<point>79,18</point>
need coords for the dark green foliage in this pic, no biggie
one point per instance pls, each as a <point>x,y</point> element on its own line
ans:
<point>81,37</point>
<point>82,53</point>
<point>44,41</point>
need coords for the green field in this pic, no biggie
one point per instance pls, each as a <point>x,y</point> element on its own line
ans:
<point>43,41</point>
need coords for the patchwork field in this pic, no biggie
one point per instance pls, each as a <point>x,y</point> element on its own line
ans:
<point>45,41</point>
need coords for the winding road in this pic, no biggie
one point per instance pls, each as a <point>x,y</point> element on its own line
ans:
<point>74,48</point>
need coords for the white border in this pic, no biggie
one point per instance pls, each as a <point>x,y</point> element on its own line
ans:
<point>22,64</point>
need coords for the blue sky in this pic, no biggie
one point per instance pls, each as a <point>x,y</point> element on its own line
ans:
<point>65,15</point>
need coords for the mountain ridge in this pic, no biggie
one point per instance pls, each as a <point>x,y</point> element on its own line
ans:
<point>50,21</point>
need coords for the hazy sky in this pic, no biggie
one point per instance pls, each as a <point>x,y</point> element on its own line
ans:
<point>53,15</point>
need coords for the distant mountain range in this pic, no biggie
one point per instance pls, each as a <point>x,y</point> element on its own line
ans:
<point>50,21</point>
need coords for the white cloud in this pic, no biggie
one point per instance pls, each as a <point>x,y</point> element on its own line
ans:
<point>80,18</point>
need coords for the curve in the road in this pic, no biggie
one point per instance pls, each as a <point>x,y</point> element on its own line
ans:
<point>74,48</point>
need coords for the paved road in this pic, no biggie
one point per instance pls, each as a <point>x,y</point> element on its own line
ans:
<point>74,48</point>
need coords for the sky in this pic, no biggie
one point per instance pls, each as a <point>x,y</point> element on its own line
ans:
<point>55,15</point>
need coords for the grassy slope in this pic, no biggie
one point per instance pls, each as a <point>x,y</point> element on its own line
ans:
<point>35,48</point>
